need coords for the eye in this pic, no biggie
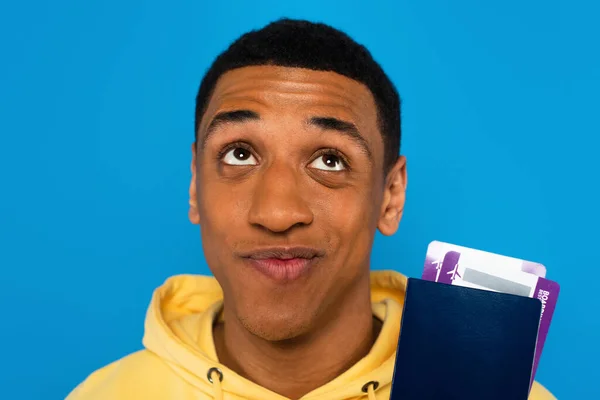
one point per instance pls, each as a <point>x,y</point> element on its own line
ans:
<point>239,156</point>
<point>328,162</point>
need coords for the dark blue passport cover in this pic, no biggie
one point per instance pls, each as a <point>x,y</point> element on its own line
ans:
<point>463,343</point>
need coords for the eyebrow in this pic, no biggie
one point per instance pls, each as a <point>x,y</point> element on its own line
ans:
<point>325,123</point>
<point>226,117</point>
<point>346,128</point>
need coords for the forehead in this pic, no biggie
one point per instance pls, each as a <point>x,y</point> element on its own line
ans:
<point>268,89</point>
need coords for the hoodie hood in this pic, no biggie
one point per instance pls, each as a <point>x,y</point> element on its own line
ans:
<point>178,329</point>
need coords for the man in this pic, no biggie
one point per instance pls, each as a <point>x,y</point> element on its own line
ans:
<point>294,167</point>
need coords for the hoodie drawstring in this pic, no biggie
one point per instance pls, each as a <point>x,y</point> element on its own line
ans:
<point>370,388</point>
<point>215,376</point>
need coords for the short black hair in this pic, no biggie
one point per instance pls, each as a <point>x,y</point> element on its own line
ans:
<point>315,46</point>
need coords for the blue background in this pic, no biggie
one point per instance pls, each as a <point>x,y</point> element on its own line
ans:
<point>96,102</point>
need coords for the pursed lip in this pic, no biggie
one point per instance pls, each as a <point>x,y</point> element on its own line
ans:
<point>282,253</point>
<point>282,264</point>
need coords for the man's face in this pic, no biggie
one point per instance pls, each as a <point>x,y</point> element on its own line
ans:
<point>288,188</point>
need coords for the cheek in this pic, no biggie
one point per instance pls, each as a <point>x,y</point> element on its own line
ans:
<point>350,216</point>
<point>350,210</point>
<point>223,209</point>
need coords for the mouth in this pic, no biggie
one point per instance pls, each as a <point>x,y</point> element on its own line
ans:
<point>283,264</point>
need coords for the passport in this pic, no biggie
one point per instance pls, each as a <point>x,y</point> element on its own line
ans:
<point>464,343</point>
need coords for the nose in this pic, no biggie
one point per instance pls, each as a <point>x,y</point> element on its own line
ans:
<point>278,203</point>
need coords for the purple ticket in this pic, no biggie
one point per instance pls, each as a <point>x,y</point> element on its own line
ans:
<point>547,292</point>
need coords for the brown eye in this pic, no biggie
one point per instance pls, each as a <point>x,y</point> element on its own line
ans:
<point>239,156</point>
<point>328,162</point>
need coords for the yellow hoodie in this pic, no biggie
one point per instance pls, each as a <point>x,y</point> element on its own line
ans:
<point>180,353</point>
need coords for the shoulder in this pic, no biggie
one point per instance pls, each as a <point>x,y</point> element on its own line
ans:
<point>538,392</point>
<point>122,378</point>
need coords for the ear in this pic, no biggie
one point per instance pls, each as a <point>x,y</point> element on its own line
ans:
<point>193,214</point>
<point>394,197</point>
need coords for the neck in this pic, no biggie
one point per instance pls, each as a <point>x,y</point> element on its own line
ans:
<point>295,367</point>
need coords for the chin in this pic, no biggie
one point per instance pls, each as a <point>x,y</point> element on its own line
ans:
<point>276,327</point>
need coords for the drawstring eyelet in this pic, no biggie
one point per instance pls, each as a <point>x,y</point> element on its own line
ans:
<point>210,372</point>
<point>375,385</point>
